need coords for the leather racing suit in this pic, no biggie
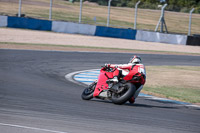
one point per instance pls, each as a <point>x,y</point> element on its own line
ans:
<point>125,69</point>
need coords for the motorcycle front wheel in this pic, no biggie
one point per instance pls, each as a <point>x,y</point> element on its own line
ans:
<point>127,92</point>
<point>88,92</point>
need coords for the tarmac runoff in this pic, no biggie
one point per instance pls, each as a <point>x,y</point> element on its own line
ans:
<point>87,77</point>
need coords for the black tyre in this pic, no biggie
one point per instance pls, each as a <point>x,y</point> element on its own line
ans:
<point>125,95</point>
<point>88,92</point>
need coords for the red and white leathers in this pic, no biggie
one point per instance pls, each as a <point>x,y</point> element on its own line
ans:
<point>131,69</point>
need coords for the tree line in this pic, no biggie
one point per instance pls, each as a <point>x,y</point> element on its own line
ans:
<point>173,5</point>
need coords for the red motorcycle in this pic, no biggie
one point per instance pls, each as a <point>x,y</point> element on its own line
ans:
<point>120,92</point>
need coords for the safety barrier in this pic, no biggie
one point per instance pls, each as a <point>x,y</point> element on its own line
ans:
<point>161,37</point>
<point>29,23</point>
<point>75,28</point>
<point>3,21</point>
<point>115,32</point>
<point>193,40</point>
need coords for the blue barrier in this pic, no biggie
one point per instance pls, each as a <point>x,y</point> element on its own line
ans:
<point>29,23</point>
<point>115,32</point>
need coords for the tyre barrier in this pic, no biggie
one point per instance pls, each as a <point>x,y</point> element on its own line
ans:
<point>193,40</point>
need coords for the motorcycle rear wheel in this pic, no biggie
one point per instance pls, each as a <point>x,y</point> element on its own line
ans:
<point>124,96</point>
<point>88,92</point>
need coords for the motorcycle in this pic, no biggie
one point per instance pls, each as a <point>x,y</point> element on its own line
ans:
<point>118,93</point>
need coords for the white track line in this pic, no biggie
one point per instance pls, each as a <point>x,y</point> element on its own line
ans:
<point>32,128</point>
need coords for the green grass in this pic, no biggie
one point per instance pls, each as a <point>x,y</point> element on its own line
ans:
<point>174,82</point>
<point>183,94</point>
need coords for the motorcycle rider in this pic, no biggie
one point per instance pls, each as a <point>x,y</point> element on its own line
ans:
<point>123,69</point>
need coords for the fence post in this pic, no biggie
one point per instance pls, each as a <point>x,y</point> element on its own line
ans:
<point>80,13</point>
<point>162,20</point>
<point>136,6</point>
<point>50,10</point>
<point>190,22</point>
<point>108,19</point>
<point>20,5</point>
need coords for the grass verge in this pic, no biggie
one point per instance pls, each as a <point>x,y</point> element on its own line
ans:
<point>174,82</point>
<point>189,95</point>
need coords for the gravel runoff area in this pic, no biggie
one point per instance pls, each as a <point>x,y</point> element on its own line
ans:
<point>10,35</point>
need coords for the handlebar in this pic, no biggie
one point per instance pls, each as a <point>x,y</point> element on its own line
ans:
<point>107,68</point>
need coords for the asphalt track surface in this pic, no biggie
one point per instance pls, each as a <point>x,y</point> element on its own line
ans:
<point>36,98</point>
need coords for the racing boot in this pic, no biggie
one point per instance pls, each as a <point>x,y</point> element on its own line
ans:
<point>132,100</point>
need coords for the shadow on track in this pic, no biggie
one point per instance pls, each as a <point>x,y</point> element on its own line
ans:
<point>138,105</point>
<point>149,106</point>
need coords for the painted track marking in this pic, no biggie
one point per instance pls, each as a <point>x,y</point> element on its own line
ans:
<point>32,128</point>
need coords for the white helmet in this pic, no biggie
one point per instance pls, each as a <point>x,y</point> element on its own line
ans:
<point>135,60</point>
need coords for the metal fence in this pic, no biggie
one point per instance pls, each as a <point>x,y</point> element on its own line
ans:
<point>92,13</point>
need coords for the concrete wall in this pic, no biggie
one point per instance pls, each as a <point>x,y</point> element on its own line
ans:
<point>73,28</point>
<point>3,21</point>
<point>161,37</point>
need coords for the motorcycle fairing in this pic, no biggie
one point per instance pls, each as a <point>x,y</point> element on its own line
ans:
<point>101,84</point>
